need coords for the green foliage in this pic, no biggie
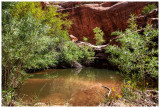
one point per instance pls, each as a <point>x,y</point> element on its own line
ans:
<point>132,24</point>
<point>87,53</point>
<point>148,9</point>
<point>70,52</point>
<point>57,22</point>
<point>29,40</point>
<point>24,37</point>
<point>24,45</point>
<point>33,38</point>
<point>128,91</point>
<point>85,39</point>
<point>7,96</point>
<point>8,5</point>
<point>98,36</point>
<point>138,53</point>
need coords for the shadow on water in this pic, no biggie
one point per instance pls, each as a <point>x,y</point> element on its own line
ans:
<point>73,87</point>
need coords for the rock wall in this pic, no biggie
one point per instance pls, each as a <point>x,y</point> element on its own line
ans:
<point>108,16</point>
<point>151,18</point>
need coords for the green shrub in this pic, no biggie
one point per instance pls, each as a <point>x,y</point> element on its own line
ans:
<point>71,52</point>
<point>57,21</point>
<point>148,9</point>
<point>24,45</point>
<point>138,53</point>
<point>98,36</point>
<point>85,39</point>
<point>33,39</point>
<point>27,43</point>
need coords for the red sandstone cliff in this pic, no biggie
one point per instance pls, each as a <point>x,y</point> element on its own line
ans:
<point>108,16</point>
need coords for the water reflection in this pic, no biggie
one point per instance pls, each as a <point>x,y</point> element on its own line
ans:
<point>76,71</point>
<point>77,87</point>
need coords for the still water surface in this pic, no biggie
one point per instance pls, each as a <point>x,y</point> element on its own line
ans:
<point>70,87</point>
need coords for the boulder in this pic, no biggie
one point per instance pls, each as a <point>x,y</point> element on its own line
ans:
<point>73,38</point>
<point>75,64</point>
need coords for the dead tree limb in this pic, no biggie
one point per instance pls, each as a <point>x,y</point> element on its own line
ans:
<point>107,89</point>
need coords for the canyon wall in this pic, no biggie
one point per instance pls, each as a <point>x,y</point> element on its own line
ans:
<point>108,16</point>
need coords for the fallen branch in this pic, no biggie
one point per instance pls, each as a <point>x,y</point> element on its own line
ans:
<point>108,89</point>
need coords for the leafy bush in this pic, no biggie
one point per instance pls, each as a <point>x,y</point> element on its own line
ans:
<point>85,39</point>
<point>71,52</point>
<point>32,38</point>
<point>24,45</point>
<point>98,36</point>
<point>57,21</point>
<point>148,9</point>
<point>138,53</point>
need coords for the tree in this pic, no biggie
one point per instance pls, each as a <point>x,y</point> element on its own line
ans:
<point>58,22</point>
<point>98,36</point>
<point>32,39</point>
<point>25,45</point>
<point>28,42</point>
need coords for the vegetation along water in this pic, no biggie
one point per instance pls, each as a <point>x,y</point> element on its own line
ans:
<point>42,65</point>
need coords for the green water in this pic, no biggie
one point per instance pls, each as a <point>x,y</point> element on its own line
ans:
<point>71,87</point>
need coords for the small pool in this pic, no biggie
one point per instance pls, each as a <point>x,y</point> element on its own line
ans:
<point>69,87</point>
